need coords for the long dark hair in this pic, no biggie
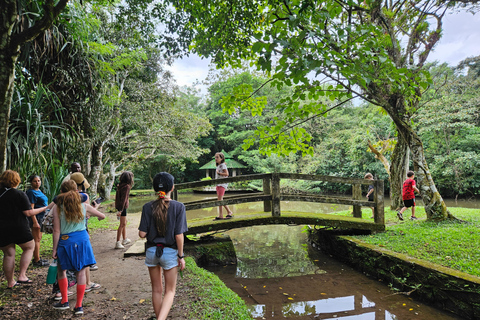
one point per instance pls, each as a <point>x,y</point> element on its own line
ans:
<point>126,177</point>
<point>162,184</point>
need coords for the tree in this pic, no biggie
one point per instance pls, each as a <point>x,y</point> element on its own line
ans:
<point>372,49</point>
<point>22,21</point>
<point>452,137</point>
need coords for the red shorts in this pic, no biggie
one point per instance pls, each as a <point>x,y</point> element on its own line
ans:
<point>220,191</point>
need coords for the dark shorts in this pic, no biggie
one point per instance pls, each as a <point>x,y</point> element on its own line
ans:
<point>124,213</point>
<point>40,217</point>
<point>15,237</point>
<point>409,203</point>
<point>370,198</point>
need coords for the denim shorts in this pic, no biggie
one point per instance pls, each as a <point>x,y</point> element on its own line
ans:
<point>167,261</point>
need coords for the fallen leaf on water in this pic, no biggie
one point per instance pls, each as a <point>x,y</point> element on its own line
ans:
<point>323,294</point>
<point>285,294</point>
<point>113,299</point>
<point>142,300</point>
<point>404,304</point>
<point>290,298</point>
<point>410,309</point>
<point>280,288</point>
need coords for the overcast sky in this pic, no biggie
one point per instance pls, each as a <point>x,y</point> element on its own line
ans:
<point>461,39</point>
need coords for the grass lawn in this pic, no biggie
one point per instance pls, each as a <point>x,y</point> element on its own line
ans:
<point>451,244</point>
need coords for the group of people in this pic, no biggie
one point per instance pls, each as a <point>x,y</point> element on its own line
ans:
<point>163,223</point>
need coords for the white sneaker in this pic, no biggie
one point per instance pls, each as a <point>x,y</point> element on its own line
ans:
<point>126,241</point>
<point>119,245</point>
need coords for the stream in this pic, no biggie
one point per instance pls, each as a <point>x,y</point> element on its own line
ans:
<point>280,276</point>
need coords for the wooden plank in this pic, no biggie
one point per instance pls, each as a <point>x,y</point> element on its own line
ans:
<point>226,201</point>
<point>298,176</point>
<point>197,184</point>
<point>202,226</point>
<point>326,199</point>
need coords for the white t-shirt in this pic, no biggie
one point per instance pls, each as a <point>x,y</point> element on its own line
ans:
<point>221,167</point>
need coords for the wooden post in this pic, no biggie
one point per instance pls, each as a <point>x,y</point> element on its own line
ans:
<point>379,211</point>
<point>174,194</point>
<point>267,204</point>
<point>357,195</point>
<point>275,195</point>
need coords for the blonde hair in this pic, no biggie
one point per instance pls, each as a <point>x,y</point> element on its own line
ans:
<point>71,204</point>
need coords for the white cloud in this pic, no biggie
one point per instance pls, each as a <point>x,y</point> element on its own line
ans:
<point>460,39</point>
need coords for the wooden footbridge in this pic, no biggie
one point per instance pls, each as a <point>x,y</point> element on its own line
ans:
<point>272,197</point>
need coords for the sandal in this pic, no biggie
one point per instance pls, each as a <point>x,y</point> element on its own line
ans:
<point>229,216</point>
<point>15,285</point>
<point>218,218</point>
<point>28,281</point>
<point>93,286</point>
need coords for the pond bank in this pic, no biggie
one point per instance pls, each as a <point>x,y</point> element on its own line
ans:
<point>442,287</point>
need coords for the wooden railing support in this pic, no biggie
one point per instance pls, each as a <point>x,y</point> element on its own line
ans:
<point>357,195</point>
<point>275,195</point>
<point>267,190</point>
<point>379,210</point>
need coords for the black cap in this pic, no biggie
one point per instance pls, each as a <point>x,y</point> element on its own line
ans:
<point>163,181</point>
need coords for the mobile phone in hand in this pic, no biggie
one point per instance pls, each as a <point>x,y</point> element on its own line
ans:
<point>98,200</point>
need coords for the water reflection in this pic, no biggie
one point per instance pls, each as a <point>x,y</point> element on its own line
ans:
<point>280,277</point>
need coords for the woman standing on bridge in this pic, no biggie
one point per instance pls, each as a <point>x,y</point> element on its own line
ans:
<point>221,172</point>
<point>163,223</point>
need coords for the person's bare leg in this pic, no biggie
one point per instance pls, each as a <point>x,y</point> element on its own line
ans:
<point>9,263</point>
<point>124,230</point>
<point>25,259</point>
<point>157,288</point>
<point>170,285</point>
<point>37,237</point>
<point>220,208</point>
<point>121,231</point>
<point>413,211</point>
<point>229,212</point>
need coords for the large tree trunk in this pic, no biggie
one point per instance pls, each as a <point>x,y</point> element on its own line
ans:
<point>7,76</point>
<point>97,167</point>
<point>109,181</point>
<point>9,52</point>
<point>435,207</point>
<point>398,172</point>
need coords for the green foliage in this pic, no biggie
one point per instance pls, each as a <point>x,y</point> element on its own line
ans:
<point>452,135</point>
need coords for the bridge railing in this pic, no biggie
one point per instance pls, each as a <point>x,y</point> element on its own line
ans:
<point>272,196</point>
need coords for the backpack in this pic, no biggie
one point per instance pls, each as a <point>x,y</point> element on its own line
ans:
<point>47,226</point>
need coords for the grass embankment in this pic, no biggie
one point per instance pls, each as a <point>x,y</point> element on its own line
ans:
<point>452,244</point>
<point>211,298</point>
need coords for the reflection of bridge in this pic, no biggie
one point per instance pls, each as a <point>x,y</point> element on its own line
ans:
<point>272,196</point>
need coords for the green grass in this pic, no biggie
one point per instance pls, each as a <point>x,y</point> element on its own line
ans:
<point>449,243</point>
<point>213,299</point>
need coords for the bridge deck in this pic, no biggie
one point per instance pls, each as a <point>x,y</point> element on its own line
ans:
<point>203,225</point>
<point>291,218</point>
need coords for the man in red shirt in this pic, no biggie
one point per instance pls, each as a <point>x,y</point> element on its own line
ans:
<point>408,196</point>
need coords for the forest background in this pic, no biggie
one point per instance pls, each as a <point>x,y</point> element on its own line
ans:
<point>94,89</point>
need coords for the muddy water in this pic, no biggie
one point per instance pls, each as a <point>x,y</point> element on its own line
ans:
<point>280,276</point>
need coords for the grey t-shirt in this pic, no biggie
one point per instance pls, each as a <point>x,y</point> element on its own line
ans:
<point>176,223</point>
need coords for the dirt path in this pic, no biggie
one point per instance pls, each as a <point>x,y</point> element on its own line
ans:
<point>125,291</point>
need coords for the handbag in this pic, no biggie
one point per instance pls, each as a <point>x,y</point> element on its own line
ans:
<point>47,226</point>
